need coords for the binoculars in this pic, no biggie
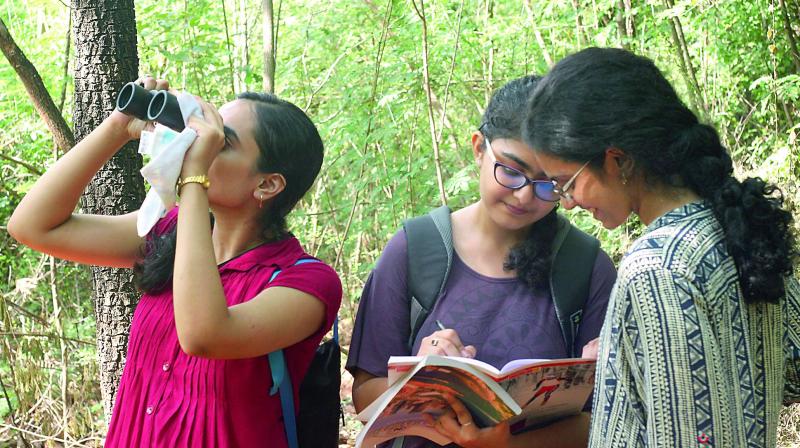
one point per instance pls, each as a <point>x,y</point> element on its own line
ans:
<point>150,105</point>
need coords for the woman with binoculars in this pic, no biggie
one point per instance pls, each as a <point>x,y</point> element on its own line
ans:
<point>196,374</point>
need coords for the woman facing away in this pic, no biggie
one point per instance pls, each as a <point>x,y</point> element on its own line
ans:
<point>496,305</point>
<point>196,372</point>
<point>700,346</point>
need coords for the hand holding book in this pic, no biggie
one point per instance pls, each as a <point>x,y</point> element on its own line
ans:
<point>457,425</point>
<point>523,394</point>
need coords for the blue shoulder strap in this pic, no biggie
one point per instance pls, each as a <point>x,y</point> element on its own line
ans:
<point>282,382</point>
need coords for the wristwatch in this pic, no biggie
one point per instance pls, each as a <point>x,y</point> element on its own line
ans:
<point>201,179</point>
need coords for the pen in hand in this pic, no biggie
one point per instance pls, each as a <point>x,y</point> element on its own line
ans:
<point>468,351</point>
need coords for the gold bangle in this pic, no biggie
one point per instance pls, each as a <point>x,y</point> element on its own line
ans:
<point>201,179</point>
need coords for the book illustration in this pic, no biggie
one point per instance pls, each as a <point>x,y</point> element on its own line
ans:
<point>546,386</point>
<point>550,393</point>
<point>401,409</point>
<point>527,393</point>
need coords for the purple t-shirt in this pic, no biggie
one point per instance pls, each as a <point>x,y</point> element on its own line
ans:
<point>501,317</point>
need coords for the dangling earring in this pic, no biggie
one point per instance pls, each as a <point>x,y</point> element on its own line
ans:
<point>260,200</point>
<point>624,179</point>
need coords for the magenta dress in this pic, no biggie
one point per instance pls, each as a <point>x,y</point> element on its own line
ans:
<point>167,398</point>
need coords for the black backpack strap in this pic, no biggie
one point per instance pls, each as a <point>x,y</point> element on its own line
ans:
<point>574,255</point>
<point>430,256</point>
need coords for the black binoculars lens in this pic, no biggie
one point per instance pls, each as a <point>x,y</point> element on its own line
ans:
<point>150,105</point>
<point>164,109</point>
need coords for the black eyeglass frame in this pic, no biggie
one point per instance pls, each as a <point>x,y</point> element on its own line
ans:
<point>535,183</point>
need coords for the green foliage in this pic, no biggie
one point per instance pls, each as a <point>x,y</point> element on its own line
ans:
<point>357,68</point>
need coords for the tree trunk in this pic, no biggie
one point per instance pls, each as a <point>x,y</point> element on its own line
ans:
<point>105,59</point>
<point>269,46</point>
<point>625,25</point>
<point>787,26</point>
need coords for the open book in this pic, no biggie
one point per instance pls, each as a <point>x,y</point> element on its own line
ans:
<point>527,392</point>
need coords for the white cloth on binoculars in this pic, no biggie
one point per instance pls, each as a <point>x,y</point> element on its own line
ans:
<point>166,149</point>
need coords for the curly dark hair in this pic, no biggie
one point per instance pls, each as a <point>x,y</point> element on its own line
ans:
<point>289,144</point>
<point>503,117</point>
<point>605,97</point>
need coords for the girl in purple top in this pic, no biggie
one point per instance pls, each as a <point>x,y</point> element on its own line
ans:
<point>196,372</point>
<point>496,304</point>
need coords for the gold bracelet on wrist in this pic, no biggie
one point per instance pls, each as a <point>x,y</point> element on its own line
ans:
<point>201,179</point>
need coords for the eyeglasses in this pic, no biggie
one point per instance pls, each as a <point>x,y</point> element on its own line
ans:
<point>564,191</point>
<point>514,179</point>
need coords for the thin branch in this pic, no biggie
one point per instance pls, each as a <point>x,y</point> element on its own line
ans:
<point>11,411</point>
<point>228,44</point>
<point>34,85</point>
<point>43,437</point>
<point>349,219</point>
<point>376,77</point>
<point>624,19</point>
<point>329,72</point>
<point>578,23</point>
<point>420,10</point>
<point>23,163</point>
<point>46,335</point>
<point>684,59</point>
<point>65,77</point>
<point>59,329</point>
<point>277,22</point>
<point>539,39</point>
<point>450,74</point>
<point>338,209</point>
<point>24,311</point>
<point>269,46</point>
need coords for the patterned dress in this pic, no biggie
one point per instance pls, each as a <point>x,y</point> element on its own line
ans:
<point>684,361</point>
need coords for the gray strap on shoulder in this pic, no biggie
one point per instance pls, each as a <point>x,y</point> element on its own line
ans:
<point>430,254</point>
<point>441,218</point>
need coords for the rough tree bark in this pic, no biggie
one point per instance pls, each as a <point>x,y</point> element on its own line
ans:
<point>106,58</point>
<point>787,26</point>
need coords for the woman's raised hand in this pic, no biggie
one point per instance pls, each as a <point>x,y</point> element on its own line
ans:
<point>210,140</point>
<point>135,126</point>
<point>445,343</point>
